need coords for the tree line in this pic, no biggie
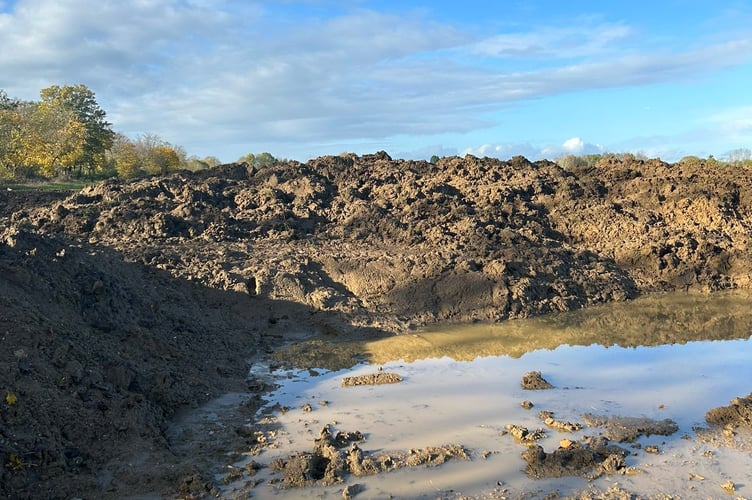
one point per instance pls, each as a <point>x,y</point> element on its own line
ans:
<point>66,134</point>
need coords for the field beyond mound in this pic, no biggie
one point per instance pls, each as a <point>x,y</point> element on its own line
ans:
<point>128,301</point>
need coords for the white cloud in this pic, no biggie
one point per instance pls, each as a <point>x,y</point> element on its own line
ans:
<point>505,151</point>
<point>574,146</point>
<point>203,73</point>
<point>585,39</point>
<point>735,124</point>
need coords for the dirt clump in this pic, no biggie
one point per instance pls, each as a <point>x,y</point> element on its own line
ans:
<point>372,379</point>
<point>737,414</point>
<point>534,381</point>
<point>547,416</point>
<point>589,458</point>
<point>628,429</point>
<point>523,435</point>
<point>334,458</point>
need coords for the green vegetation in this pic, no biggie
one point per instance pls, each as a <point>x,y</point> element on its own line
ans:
<point>65,136</point>
<point>736,158</point>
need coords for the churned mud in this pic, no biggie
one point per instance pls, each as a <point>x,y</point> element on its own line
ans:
<point>335,457</point>
<point>128,305</point>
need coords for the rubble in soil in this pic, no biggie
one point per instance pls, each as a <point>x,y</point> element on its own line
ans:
<point>334,458</point>
<point>127,302</point>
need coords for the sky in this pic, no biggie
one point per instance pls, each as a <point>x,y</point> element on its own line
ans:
<point>304,78</point>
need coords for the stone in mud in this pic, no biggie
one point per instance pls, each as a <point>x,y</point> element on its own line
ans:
<point>372,379</point>
<point>628,429</point>
<point>738,413</point>
<point>534,381</point>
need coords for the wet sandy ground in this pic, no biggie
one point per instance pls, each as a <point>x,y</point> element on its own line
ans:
<point>665,359</point>
<point>442,402</point>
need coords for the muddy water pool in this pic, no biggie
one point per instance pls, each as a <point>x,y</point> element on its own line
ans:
<point>667,357</point>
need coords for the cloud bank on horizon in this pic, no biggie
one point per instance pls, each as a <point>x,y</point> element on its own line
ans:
<point>301,78</point>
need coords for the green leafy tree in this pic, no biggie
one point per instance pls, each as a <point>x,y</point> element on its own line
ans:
<point>14,125</point>
<point>260,160</point>
<point>54,140</point>
<point>81,102</point>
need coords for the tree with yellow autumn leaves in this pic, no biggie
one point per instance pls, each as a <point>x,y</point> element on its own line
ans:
<point>66,134</point>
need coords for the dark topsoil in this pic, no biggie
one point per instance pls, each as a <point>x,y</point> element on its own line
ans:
<point>124,303</point>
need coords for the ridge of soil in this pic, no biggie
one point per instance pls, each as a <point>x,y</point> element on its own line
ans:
<point>129,301</point>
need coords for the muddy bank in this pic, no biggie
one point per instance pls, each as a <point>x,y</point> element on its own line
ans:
<point>336,457</point>
<point>98,355</point>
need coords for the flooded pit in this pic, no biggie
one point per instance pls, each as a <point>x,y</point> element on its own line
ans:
<point>666,357</point>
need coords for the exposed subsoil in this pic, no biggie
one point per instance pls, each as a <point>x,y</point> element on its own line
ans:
<point>126,303</point>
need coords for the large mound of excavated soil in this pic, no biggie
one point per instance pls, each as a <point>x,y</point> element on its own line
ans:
<point>125,302</point>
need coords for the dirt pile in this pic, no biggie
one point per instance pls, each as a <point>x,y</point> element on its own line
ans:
<point>125,302</point>
<point>394,242</point>
<point>98,354</point>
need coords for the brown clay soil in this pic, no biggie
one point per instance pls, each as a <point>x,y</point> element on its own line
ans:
<point>128,302</point>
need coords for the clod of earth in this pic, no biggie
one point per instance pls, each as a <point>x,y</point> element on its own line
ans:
<point>329,463</point>
<point>729,487</point>
<point>372,379</point>
<point>627,429</point>
<point>738,413</point>
<point>534,381</point>
<point>523,435</point>
<point>590,458</point>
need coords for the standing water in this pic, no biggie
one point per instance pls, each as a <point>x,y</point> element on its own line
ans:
<point>661,357</point>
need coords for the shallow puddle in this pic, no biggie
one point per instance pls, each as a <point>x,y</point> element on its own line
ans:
<point>661,357</point>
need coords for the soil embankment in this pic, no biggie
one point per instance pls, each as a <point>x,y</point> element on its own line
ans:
<point>125,302</point>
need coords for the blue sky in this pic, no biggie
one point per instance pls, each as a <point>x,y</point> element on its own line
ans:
<point>303,78</point>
